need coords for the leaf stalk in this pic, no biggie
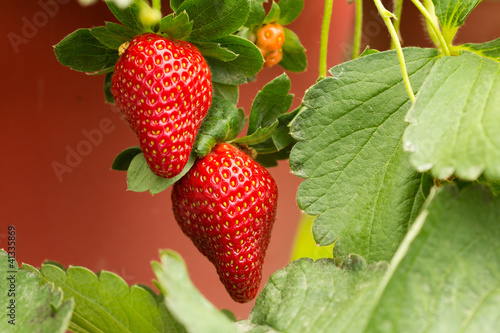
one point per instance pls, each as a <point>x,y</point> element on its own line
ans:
<point>325,29</point>
<point>386,16</point>
<point>398,10</point>
<point>431,21</point>
<point>358,27</point>
<point>156,5</point>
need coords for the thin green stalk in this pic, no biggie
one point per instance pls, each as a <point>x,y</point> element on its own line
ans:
<point>430,19</point>
<point>358,27</point>
<point>429,5</point>
<point>156,5</point>
<point>386,16</point>
<point>449,34</point>
<point>150,16</point>
<point>398,12</point>
<point>325,28</point>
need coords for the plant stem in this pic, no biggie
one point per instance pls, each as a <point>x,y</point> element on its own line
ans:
<point>429,5</point>
<point>449,35</point>
<point>432,21</point>
<point>325,28</point>
<point>398,10</point>
<point>149,16</point>
<point>358,27</point>
<point>156,5</point>
<point>386,16</point>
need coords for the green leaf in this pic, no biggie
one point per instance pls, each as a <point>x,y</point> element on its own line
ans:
<point>368,51</point>
<point>215,18</point>
<point>83,52</point>
<point>246,32</point>
<point>269,113</point>
<point>279,146</point>
<point>257,14</point>
<point>140,178</point>
<point>294,56</point>
<point>222,123</point>
<point>493,185</point>
<point>108,70</point>
<point>274,13</point>
<point>174,4</point>
<point>176,26</point>
<point>455,120</point>
<point>290,10</point>
<point>28,307</point>
<point>489,49</point>
<point>122,160</point>
<point>105,303</point>
<point>226,91</point>
<point>229,314</point>
<point>184,301</point>
<point>260,135</point>
<point>215,50</point>
<point>108,95</point>
<point>270,103</point>
<point>445,277</point>
<point>452,13</point>
<point>113,35</point>
<point>248,63</point>
<point>271,159</point>
<point>281,136</point>
<point>359,180</point>
<point>129,16</point>
<point>315,296</point>
<point>120,3</point>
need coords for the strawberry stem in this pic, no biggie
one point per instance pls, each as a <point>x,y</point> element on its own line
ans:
<point>325,28</point>
<point>149,16</point>
<point>386,16</point>
<point>156,5</point>
<point>432,25</point>
<point>398,9</point>
<point>358,27</point>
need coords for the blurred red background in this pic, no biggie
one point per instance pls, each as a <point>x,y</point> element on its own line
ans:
<point>85,216</point>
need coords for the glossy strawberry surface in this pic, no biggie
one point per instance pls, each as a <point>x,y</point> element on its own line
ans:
<point>164,90</point>
<point>226,204</point>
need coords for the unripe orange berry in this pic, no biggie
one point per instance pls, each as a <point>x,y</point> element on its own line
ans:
<point>273,58</point>
<point>270,37</point>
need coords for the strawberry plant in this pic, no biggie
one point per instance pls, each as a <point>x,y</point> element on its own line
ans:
<point>399,151</point>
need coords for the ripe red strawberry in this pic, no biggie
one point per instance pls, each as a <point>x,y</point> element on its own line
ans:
<point>226,204</point>
<point>164,90</point>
